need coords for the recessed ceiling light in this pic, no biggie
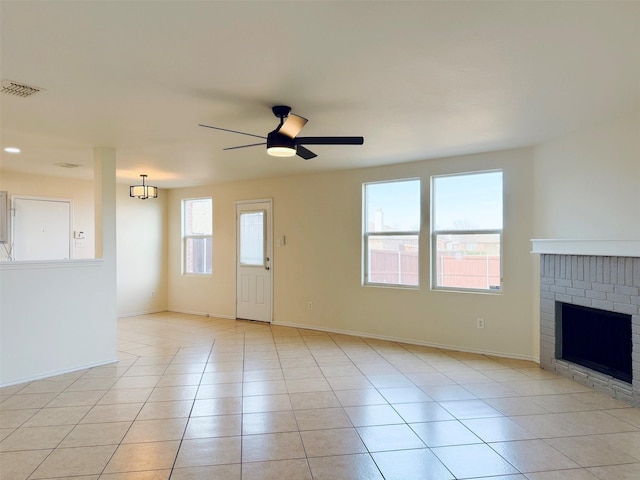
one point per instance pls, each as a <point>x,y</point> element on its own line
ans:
<point>12,150</point>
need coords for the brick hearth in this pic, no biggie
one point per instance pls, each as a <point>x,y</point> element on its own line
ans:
<point>602,282</point>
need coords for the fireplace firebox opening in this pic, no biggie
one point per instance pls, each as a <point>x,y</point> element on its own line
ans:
<point>596,339</point>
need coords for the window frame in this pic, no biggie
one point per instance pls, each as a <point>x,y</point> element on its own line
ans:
<point>186,237</point>
<point>435,233</point>
<point>365,236</point>
<point>264,259</point>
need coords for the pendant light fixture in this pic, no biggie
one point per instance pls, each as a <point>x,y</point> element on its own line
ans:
<point>143,191</point>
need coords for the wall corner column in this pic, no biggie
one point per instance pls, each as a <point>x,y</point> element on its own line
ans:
<point>104,167</point>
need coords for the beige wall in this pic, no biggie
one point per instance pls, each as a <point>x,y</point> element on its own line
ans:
<point>141,235</point>
<point>79,191</point>
<point>320,215</point>
<point>587,185</point>
<point>142,253</point>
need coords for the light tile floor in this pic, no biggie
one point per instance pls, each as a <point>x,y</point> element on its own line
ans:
<point>205,398</point>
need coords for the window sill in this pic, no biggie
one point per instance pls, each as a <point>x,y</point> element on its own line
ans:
<point>467,290</point>
<point>390,285</point>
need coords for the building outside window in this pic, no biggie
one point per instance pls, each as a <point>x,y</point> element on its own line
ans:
<point>197,236</point>
<point>391,233</point>
<point>466,231</point>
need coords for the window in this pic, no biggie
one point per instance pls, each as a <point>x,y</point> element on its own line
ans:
<point>252,238</point>
<point>197,229</point>
<point>467,231</point>
<point>391,233</point>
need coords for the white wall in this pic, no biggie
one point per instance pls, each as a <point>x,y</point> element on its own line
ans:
<point>320,215</point>
<point>60,316</point>
<point>587,185</point>
<point>52,319</point>
<point>142,253</point>
<point>141,235</point>
<point>79,191</point>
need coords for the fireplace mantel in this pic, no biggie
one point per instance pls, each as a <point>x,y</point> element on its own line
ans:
<point>603,248</point>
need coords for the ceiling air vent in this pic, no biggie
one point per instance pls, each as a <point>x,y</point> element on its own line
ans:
<point>18,89</point>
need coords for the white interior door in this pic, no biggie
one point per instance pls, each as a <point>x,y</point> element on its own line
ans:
<point>253,261</point>
<point>41,229</point>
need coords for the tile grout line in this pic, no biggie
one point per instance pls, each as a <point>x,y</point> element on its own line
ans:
<point>304,449</point>
<point>546,390</point>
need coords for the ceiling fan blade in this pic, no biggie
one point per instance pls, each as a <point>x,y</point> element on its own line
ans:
<point>245,146</point>
<point>305,153</point>
<point>232,131</point>
<point>330,140</point>
<point>292,125</point>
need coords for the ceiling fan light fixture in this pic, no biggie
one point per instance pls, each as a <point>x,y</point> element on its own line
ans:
<point>281,151</point>
<point>279,145</point>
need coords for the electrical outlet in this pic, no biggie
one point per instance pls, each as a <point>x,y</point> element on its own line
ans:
<point>480,322</point>
<point>310,305</point>
<point>153,294</point>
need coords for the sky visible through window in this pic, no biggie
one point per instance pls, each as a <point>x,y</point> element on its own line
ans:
<point>399,202</point>
<point>462,202</point>
<point>198,216</point>
<point>468,202</point>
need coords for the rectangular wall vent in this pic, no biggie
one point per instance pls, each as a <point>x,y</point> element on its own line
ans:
<point>18,89</point>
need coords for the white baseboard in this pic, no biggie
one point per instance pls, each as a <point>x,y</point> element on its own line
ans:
<point>145,312</point>
<point>407,341</point>
<point>201,314</point>
<point>59,372</point>
<point>354,333</point>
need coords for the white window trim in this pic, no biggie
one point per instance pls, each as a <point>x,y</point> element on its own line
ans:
<point>366,235</point>
<point>184,249</point>
<point>185,237</point>
<point>434,261</point>
<point>435,233</point>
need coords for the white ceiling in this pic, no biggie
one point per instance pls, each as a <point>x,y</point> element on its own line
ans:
<point>418,80</point>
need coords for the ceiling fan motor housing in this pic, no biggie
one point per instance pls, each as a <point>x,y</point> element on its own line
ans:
<point>281,111</point>
<point>277,139</point>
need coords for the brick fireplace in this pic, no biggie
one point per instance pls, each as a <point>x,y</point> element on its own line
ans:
<point>600,275</point>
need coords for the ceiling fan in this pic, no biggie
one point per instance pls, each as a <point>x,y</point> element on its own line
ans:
<point>283,142</point>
